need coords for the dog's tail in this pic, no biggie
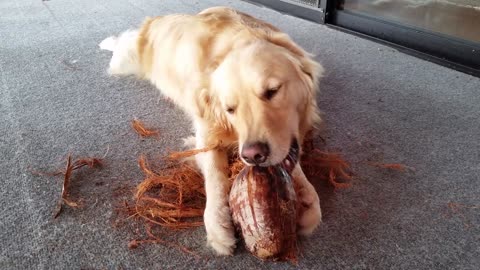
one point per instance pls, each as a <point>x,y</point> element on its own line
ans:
<point>125,60</point>
<point>109,44</point>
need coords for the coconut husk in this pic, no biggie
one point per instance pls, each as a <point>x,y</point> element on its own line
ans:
<point>263,206</point>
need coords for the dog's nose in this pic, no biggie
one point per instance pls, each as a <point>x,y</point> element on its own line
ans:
<point>255,153</point>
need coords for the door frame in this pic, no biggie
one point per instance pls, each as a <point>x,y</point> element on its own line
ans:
<point>311,13</point>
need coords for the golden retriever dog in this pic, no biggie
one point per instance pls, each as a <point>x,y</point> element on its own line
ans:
<point>244,83</point>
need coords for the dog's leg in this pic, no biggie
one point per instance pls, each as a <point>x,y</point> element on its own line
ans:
<point>310,203</point>
<point>217,218</point>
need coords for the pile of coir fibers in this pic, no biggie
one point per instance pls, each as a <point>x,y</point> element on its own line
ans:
<point>174,197</point>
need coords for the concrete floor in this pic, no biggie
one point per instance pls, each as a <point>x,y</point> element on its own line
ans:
<point>380,105</point>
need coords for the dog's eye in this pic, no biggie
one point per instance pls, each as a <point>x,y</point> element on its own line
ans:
<point>230,110</point>
<point>270,93</point>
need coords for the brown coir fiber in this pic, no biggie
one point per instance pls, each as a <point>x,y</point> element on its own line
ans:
<point>327,166</point>
<point>392,166</point>
<point>154,239</point>
<point>67,174</point>
<point>141,130</point>
<point>175,196</point>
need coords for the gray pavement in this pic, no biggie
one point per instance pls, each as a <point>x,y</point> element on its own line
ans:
<point>380,105</point>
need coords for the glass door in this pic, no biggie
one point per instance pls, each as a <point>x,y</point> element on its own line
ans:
<point>443,31</point>
<point>457,18</point>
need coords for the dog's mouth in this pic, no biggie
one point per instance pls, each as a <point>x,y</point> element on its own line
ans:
<point>291,160</point>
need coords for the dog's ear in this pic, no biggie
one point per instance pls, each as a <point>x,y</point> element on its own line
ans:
<point>283,40</point>
<point>308,66</point>
<point>310,71</point>
<point>209,109</point>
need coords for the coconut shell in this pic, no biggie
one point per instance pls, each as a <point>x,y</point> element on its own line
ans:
<point>263,206</point>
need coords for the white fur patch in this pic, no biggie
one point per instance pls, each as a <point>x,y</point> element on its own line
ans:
<point>125,57</point>
<point>108,44</point>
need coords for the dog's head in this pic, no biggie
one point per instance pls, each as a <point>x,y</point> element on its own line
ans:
<point>266,92</point>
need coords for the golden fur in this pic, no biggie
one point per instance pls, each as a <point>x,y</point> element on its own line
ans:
<point>220,31</point>
<point>221,66</point>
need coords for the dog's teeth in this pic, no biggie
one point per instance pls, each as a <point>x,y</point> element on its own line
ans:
<point>287,162</point>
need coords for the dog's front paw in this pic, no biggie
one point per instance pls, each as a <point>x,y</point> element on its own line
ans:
<point>310,215</point>
<point>220,231</point>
